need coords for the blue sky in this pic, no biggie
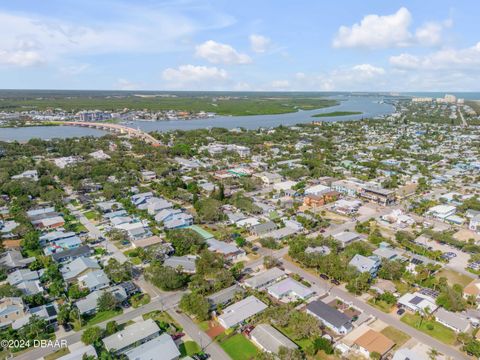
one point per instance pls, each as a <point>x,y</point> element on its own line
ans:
<point>348,45</point>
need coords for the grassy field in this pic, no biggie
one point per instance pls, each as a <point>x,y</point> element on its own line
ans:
<point>252,104</point>
<point>189,348</point>
<point>102,316</point>
<point>59,353</point>
<point>138,300</point>
<point>397,336</point>
<point>91,215</point>
<point>430,327</point>
<point>381,305</point>
<point>454,277</point>
<point>338,113</point>
<point>239,348</point>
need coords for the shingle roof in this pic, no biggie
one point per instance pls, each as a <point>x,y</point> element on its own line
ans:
<point>329,314</point>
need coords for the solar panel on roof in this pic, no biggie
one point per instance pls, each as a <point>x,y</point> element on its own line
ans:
<point>51,311</point>
<point>416,300</point>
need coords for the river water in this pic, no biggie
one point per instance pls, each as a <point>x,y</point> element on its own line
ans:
<point>370,106</point>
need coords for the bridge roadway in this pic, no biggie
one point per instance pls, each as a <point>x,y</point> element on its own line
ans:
<point>116,128</point>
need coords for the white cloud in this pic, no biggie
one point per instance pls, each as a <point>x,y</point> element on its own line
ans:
<point>259,43</point>
<point>33,39</point>
<point>124,84</point>
<point>429,34</point>
<point>20,58</point>
<point>359,77</point>
<point>218,53</point>
<point>376,31</point>
<point>280,85</point>
<point>73,70</point>
<point>383,31</point>
<point>466,59</point>
<point>197,77</point>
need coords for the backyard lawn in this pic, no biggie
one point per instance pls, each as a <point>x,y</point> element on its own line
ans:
<point>239,348</point>
<point>90,215</point>
<point>454,277</point>
<point>430,327</point>
<point>397,336</point>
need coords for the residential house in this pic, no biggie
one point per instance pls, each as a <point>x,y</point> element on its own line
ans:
<point>28,175</point>
<point>69,255</point>
<point>347,237</point>
<point>263,228</point>
<point>109,206</point>
<point>474,224</point>
<point>186,263</point>
<point>442,212</point>
<point>47,312</point>
<point>330,317</point>
<point>227,250</point>
<point>269,178</point>
<point>11,310</point>
<point>148,175</point>
<point>284,185</point>
<point>373,342</point>
<point>78,267</point>
<point>270,340</point>
<point>26,280</point>
<point>89,304</point>
<point>225,296</point>
<point>288,290</point>
<point>239,312</point>
<point>152,349</point>
<point>79,353</point>
<point>94,280</point>
<point>130,337</point>
<point>99,155</point>
<point>455,321</point>
<point>264,279</point>
<point>418,302</point>
<point>472,289</point>
<point>13,260</point>
<point>346,207</point>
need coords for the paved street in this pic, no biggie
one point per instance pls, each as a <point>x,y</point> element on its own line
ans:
<point>96,233</point>
<point>386,318</point>
<point>166,302</point>
<point>190,328</point>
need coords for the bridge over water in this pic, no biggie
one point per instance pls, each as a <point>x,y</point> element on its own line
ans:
<point>115,128</point>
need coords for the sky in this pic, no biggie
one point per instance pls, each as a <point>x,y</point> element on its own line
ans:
<point>241,45</point>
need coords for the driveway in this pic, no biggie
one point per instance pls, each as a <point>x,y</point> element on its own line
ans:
<point>205,342</point>
<point>95,233</point>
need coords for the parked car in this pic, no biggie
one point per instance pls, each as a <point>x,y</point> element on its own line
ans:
<point>400,311</point>
<point>177,336</point>
<point>248,329</point>
<point>335,282</point>
<point>324,276</point>
<point>67,327</point>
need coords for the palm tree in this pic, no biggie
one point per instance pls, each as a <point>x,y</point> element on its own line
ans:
<point>433,353</point>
